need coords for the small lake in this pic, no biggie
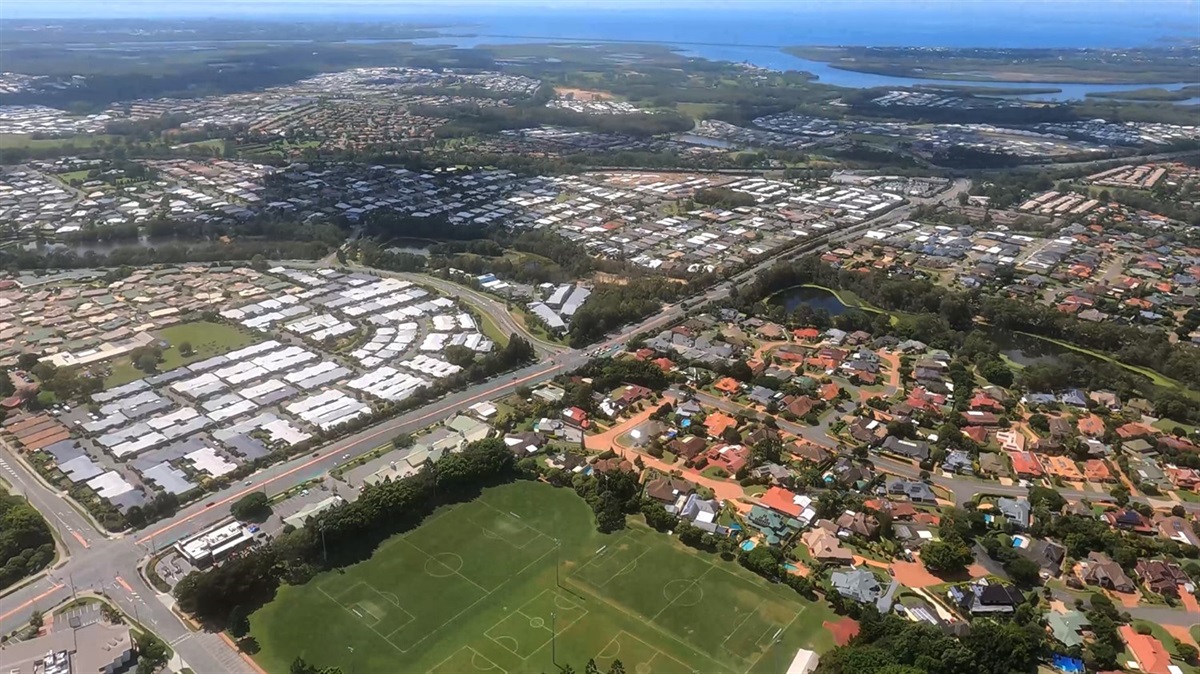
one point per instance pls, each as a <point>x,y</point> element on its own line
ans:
<point>102,247</point>
<point>693,139</point>
<point>1025,350</point>
<point>411,246</point>
<point>792,298</point>
<point>1021,349</point>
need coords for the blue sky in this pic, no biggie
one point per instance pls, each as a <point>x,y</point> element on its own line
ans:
<point>12,9</point>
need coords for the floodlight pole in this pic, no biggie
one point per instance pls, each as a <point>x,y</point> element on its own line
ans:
<point>324,552</point>
<point>351,649</point>
<point>557,547</point>
<point>553,641</point>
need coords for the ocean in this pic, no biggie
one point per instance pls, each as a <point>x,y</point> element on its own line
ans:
<point>750,31</point>
<point>755,36</point>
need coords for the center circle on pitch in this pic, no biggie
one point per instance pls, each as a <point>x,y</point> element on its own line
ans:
<point>443,564</point>
<point>537,623</point>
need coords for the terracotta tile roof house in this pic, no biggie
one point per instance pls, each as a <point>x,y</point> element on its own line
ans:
<point>1186,479</point>
<point>806,334</point>
<point>983,401</point>
<point>1134,429</point>
<point>1151,656</point>
<point>727,385</point>
<point>781,500</point>
<point>576,417</point>
<point>1177,444</point>
<point>731,458</point>
<point>1062,467</point>
<point>1100,569</point>
<point>1097,470</point>
<point>921,399</point>
<point>664,364</point>
<point>899,510</point>
<point>719,422</point>
<point>977,433</point>
<point>830,391</point>
<point>792,354</point>
<point>1025,464</point>
<point>1162,577</point>
<point>1091,426</point>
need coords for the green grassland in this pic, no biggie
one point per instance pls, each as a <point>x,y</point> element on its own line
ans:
<point>13,140</point>
<point>483,586</point>
<point>208,339</point>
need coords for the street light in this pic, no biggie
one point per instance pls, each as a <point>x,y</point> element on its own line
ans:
<point>351,649</point>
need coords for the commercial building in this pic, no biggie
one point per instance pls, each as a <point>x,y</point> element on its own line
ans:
<point>215,544</point>
<point>98,648</point>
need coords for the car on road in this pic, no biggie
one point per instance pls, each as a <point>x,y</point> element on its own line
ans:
<point>346,456</point>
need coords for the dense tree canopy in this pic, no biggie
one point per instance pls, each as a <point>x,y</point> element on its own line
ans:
<point>351,532</point>
<point>892,645</point>
<point>26,544</point>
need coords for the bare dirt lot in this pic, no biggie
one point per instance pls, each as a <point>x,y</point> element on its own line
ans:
<point>583,94</point>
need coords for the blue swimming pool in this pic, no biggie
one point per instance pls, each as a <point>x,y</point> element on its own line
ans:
<point>1068,664</point>
<point>791,567</point>
<point>748,545</point>
<point>1018,541</point>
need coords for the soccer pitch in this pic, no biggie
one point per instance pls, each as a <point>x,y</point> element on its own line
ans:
<point>476,589</point>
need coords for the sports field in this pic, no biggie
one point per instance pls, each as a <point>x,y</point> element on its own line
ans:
<point>208,339</point>
<point>474,590</point>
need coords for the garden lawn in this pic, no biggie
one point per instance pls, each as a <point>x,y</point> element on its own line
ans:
<point>482,586</point>
<point>208,339</point>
